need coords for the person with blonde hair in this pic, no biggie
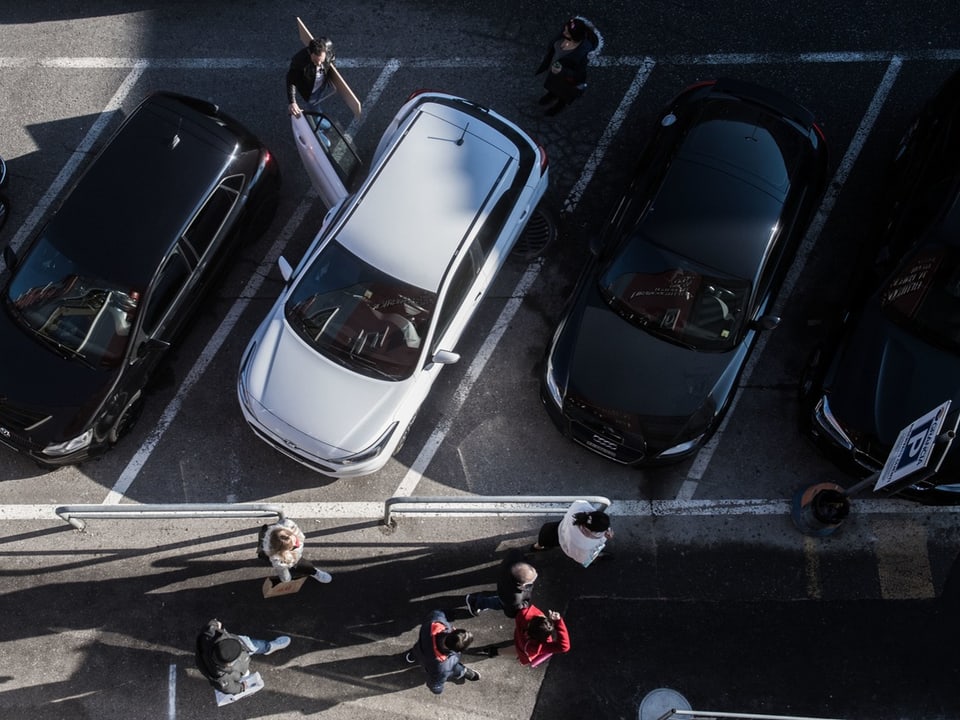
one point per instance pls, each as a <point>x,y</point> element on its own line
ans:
<point>281,545</point>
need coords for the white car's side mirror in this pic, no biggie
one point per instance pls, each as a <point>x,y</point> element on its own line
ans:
<point>445,357</point>
<point>286,271</point>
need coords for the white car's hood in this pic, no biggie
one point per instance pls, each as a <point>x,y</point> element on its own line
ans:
<point>313,396</point>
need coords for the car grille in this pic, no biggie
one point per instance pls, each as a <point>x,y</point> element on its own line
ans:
<point>593,432</point>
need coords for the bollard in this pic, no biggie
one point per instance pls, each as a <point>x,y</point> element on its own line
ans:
<point>820,509</point>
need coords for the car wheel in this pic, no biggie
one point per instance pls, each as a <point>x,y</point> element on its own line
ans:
<point>127,419</point>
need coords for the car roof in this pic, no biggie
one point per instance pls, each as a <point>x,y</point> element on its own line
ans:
<point>428,194</point>
<point>728,183</point>
<point>134,200</point>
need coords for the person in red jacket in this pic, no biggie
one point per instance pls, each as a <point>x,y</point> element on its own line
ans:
<point>537,636</point>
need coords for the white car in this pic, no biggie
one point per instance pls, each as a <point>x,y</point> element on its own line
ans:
<point>336,372</point>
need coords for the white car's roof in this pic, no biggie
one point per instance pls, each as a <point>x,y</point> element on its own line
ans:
<point>428,197</point>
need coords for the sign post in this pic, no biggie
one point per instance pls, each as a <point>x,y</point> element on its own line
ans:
<point>916,455</point>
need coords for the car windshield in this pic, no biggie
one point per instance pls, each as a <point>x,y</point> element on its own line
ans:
<point>360,317</point>
<point>71,308</point>
<point>924,296</point>
<point>673,297</point>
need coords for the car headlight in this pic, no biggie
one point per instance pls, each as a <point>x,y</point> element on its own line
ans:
<point>70,446</point>
<point>824,419</point>
<point>550,380</point>
<point>369,452</point>
<point>682,448</point>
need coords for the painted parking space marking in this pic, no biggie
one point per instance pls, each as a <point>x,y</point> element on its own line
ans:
<point>389,68</point>
<point>702,460</point>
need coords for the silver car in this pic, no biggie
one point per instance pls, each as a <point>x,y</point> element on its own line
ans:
<point>338,369</point>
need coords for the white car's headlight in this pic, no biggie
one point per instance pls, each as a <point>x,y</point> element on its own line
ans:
<point>371,451</point>
<point>69,446</point>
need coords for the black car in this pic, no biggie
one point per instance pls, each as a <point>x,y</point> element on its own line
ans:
<point>93,303</point>
<point>650,346</point>
<point>897,354</point>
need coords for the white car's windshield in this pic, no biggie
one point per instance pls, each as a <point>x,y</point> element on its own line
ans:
<point>360,317</point>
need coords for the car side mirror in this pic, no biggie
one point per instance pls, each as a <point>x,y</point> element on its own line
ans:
<point>286,271</point>
<point>444,357</point>
<point>150,345</point>
<point>768,322</point>
<point>9,257</point>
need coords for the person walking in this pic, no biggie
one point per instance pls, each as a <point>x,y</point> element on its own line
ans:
<point>567,58</point>
<point>307,75</point>
<point>582,533</point>
<point>224,658</point>
<point>281,545</point>
<point>514,587</point>
<point>438,650</point>
<point>537,636</point>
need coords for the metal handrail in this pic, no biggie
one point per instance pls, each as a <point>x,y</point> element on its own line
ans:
<point>712,714</point>
<point>495,503</point>
<point>73,513</point>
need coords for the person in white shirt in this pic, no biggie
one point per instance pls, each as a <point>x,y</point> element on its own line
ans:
<point>582,534</point>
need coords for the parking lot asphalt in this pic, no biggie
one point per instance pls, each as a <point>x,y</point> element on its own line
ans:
<point>712,591</point>
<point>101,623</point>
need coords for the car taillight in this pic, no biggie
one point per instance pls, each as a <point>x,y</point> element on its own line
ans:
<point>543,159</point>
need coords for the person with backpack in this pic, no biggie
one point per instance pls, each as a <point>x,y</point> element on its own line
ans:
<point>224,658</point>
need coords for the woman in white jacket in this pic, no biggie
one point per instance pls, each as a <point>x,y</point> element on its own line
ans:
<point>582,534</point>
<point>281,545</point>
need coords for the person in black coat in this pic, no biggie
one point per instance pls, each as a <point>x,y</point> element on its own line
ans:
<point>307,75</point>
<point>514,587</point>
<point>438,649</point>
<point>224,658</point>
<point>567,58</point>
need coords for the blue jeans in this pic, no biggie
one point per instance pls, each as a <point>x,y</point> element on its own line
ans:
<point>486,601</point>
<point>254,646</point>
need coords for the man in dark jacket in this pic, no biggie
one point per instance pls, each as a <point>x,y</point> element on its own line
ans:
<point>307,75</point>
<point>514,587</point>
<point>438,649</point>
<point>224,658</point>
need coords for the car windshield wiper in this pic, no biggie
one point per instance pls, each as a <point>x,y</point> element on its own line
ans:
<point>61,349</point>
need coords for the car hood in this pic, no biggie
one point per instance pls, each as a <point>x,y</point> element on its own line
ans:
<point>306,392</point>
<point>36,382</point>
<point>885,378</point>
<point>614,365</point>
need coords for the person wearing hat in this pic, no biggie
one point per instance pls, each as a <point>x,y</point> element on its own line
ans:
<point>582,534</point>
<point>224,658</point>
<point>567,57</point>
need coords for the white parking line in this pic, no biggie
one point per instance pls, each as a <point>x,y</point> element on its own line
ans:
<point>415,473</point>
<point>699,467</point>
<point>390,66</point>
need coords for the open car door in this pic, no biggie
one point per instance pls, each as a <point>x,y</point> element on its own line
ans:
<point>336,79</point>
<point>329,158</point>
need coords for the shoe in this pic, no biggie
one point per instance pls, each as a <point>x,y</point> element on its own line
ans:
<point>409,658</point>
<point>545,99</point>
<point>536,548</point>
<point>470,608</point>
<point>277,644</point>
<point>322,576</point>
<point>470,674</point>
<point>554,110</point>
